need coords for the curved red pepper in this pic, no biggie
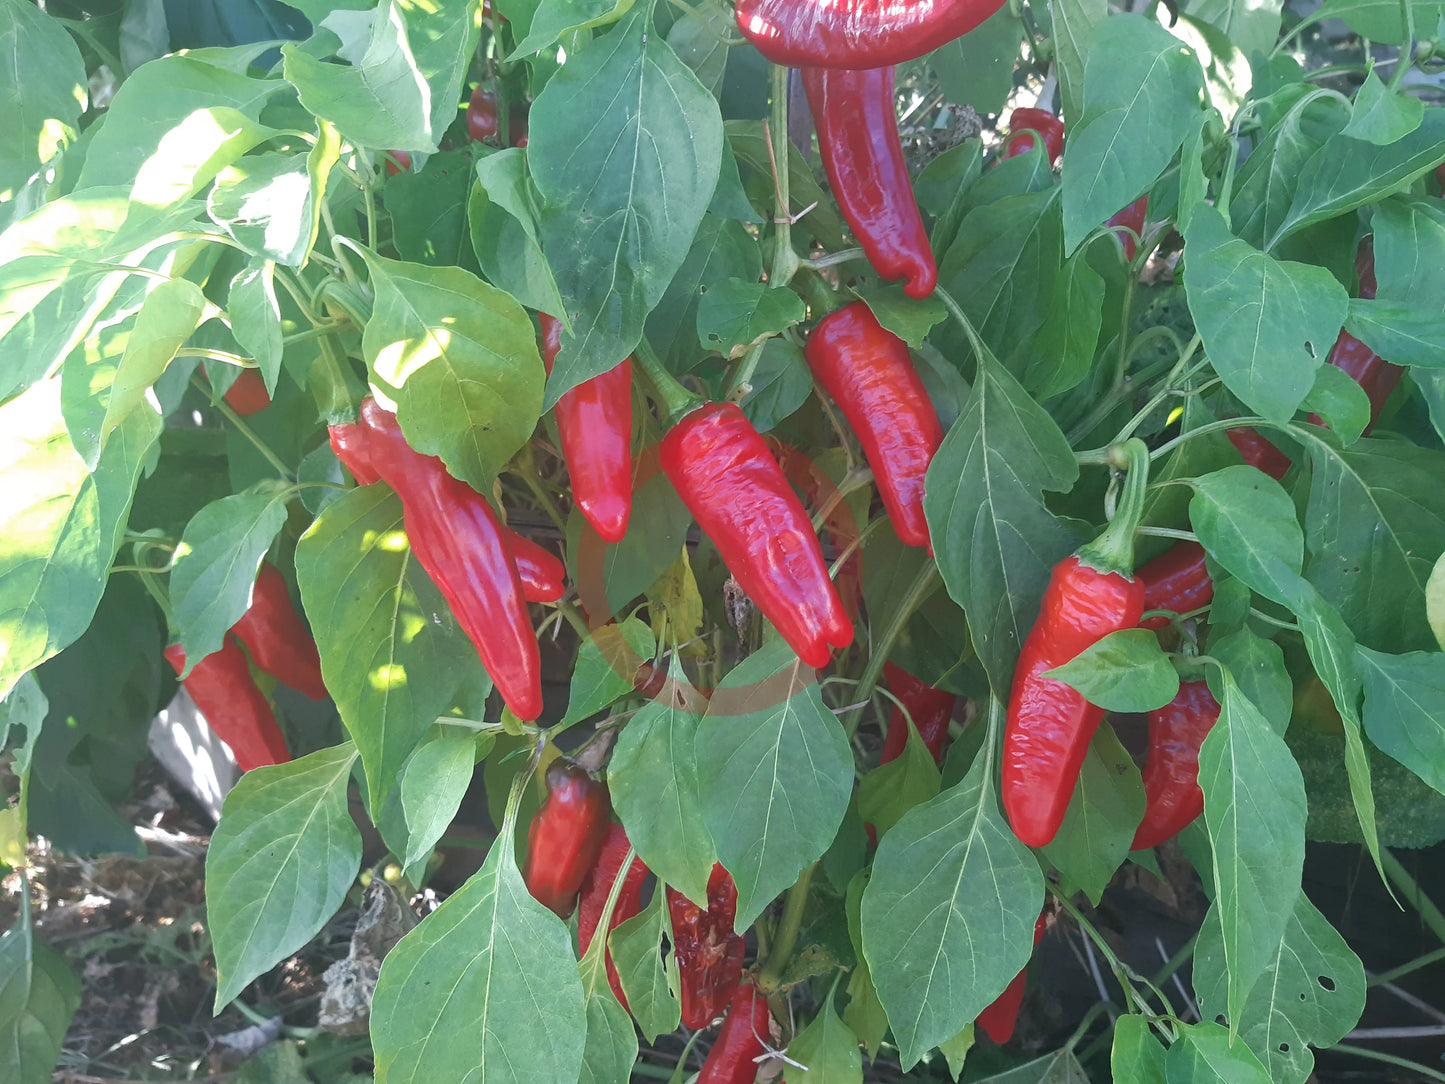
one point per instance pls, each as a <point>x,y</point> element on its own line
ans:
<point>1000,1018</point>
<point>598,886</point>
<point>1258,451</point>
<point>1171,774</point>
<point>1176,580</point>
<point>709,951</point>
<point>277,639</point>
<point>839,524</point>
<point>543,575</point>
<point>932,711</point>
<point>855,33</point>
<point>866,369</point>
<point>734,488</point>
<point>348,441</point>
<point>594,420</point>
<point>1022,126</point>
<point>463,547</point>
<point>566,835</point>
<point>482,121</point>
<point>858,137</point>
<point>739,1041</point>
<point>234,706</point>
<point>1132,217</point>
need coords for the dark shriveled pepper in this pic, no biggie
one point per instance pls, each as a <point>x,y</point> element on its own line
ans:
<point>734,488</point>
<point>709,951</point>
<point>598,886</point>
<point>866,369</point>
<point>566,835</point>
<point>855,33</point>
<point>858,138</point>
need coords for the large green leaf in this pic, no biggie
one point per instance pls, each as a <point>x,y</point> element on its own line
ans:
<point>280,862</point>
<point>625,151</point>
<point>774,773</point>
<point>43,90</point>
<point>39,994</point>
<point>443,36</point>
<point>1405,709</point>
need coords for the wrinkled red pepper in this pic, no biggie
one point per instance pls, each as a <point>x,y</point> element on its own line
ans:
<point>856,33</point>
<point>932,711</point>
<point>1049,725</point>
<point>858,137</point>
<point>709,951</point>
<point>1172,796</point>
<point>866,369</point>
<point>597,887</point>
<point>234,706</point>
<point>1023,125</point>
<point>734,488</point>
<point>1000,1018</point>
<point>740,1040</point>
<point>594,420</point>
<point>1176,580</point>
<point>276,638</point>
<point>566,835</point>
<point>839,524</point>
<point>460,543</point>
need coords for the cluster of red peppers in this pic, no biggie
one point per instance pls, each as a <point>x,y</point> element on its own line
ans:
<point>221,684</point>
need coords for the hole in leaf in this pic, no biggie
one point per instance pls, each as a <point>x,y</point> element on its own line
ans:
<point>1327,982</point>
<point>1222,1019</point>
<point>1284,1048</point>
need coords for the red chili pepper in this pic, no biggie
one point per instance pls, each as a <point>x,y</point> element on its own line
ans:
<point>543,575</point>
<point>234,706</point>
<point>482,121</point>
<point>396,162</point>
<point>1132,217</point>
<point>247,395</point>
<point>1172,798</point>
<point>594,420</point>
<point>1049,724</point>
<point>597,887</point>
<point>1000,1018</point>
<point>858,138</point>
<point>856,33</point>
<point>348,441</point>
<point>459,541</point>
<point>709,951</point>
<point>1258,451</point>
<point>739,1041</point>
<point>734,488</point>
<point>867,371</point>
<point>932,711</point>
<point>839,524</point>
<point>1176,580</point>
<point>276,637</point>
<point>566,836</point>
<point>1024,124</point>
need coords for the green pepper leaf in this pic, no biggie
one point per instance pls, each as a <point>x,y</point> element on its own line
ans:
<point>1124,671</point>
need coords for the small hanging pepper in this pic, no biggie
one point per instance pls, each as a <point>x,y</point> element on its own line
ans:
<point>734,488</point>
<point>348,441</point>
<point>1049,724</point>
<point>234,706</point>
<point>740,1040</point>
<point>932,711</point>
<point>866,369</point>
<point>1176,580</point>
<point>566,835</point>
<point>276,638</point>
<point>855,33</point>
<point>543,575</point>
<point>1132,219</point>
<point>1025,124</point>
<point>709,951</point>
<point>1000,1018</point>
<point>247,394</point>
<point>858,137</point>
<point>482,119</point>
<point>597,887</point>
<point>1172,797</point>
<point>594,420</point>
<point>1258,451</point>
<point>463,547</point>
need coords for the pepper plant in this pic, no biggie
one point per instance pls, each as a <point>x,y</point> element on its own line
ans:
<point>486,335</point>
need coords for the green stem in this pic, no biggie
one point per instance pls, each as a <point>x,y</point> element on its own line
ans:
<point>1113,551</point>
<point>980,348</point>
<point>216,355</point>
<point>919,590</point>
<point>1410,889</point>
<point>742,383</point>
<point>787,936</point>
<point>675,399</point>
<point>833,259</point>
<point>245,430</point>
<point>525,468</point>
<point>1389,1059</point>
<point>330,382</point>
<point>1404,63</point>
<point>1406,968</point>
<point>785,260</point>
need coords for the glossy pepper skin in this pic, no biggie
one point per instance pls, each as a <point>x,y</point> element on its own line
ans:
<point>932,711</point>
<point>1049,724</point>
<point>739,1040</point>
<point>1176,580</point>
<point>276,638</point>
<point>734,488</point>
<point>1022,126</point>
<point>247,395</point>
<point>709,951</point>
<point>1172,798</point>
<point>594,420</point>
<point>1002,1016</point>
<point>856,33</point>
<point>566,835</point>
<point>543,575</point>
<point>866,370</point>
<point>858,138</point>
<point>1258,451</point>
<point>234,707</point>
<point>597,887</point>
<point>463,547</point>
<point>348,441</point>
